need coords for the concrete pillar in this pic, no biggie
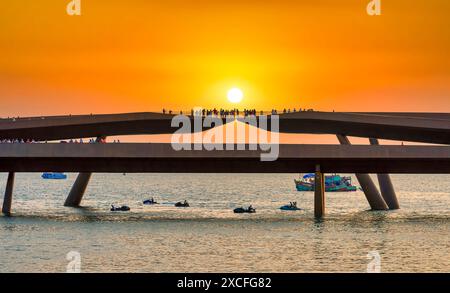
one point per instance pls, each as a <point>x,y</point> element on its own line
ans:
<point>78,190</point>
<point>7,201</point>
<point>79,187</point>
<point>371,192</point>
<point>319,194</point>
<point>386,186</point>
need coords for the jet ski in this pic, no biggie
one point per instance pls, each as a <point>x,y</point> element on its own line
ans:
<point>180,204</point>
<point>120,209</point>
<point>241,210</point>
<point>150,202</point>
<point>290,207</point>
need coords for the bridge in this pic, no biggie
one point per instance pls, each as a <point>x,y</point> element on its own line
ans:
<point>433,128</point>
<point>162,158</point>
<point>415,127</point>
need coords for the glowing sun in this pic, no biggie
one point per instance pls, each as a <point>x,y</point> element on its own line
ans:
<point>235,95</point>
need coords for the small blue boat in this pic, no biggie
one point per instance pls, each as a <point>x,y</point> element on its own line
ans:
<point>290,207</point>
<point>56,176</point>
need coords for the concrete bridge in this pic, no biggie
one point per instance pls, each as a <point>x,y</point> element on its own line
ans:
<point>87,158</point>
<point>415,127</point>
<point>161,158</point>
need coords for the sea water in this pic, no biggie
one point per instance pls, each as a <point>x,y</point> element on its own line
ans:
<point>209,237</point>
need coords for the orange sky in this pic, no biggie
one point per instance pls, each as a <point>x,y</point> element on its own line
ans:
<point>141,55</point>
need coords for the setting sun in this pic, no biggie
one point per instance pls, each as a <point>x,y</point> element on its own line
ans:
<point>235,95</point>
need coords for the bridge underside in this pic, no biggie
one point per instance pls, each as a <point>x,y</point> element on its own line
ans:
<point>209,165</point>
<point>148,158</point>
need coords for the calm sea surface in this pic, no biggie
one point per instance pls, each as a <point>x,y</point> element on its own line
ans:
<point>208,237</point>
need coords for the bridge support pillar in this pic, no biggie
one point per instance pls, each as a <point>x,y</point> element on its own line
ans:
<point>319,194</point>
<point>371,192</point>
<point>7,201</point>
<point>386,186</point>
<point>79,187</point>
<point>78,190</point>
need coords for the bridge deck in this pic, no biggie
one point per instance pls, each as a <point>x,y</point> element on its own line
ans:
<point>417,127</point>
<point>143,158</point>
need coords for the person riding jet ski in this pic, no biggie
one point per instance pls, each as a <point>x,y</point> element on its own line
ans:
<point>292,206</point>
<point>119,209</point>
<point>241,210</point>
<point>150,201</point>
<point>180,204</point>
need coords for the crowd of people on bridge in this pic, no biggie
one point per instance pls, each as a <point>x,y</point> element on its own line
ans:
<point>91,140</point>
<point>17,140</point>
<point>235,112</point>
<point>224,112</point>
<point>79,141</point>
<point>287,111</point>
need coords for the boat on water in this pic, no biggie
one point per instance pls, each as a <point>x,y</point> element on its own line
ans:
<point>49,175</point>
<point>333,183</point>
